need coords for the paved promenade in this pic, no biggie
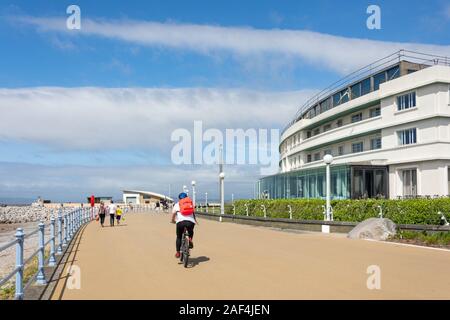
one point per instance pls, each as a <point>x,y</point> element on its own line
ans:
<point>230,261</point>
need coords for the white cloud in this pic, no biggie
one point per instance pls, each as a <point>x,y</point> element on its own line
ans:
<point>124,118</point>
<point>337,53</point>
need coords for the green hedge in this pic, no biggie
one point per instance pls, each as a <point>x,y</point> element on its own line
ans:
<point>412,211</point>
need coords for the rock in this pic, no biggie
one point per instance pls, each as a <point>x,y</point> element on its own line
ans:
<point>13,214</point>
<point>374,228</point>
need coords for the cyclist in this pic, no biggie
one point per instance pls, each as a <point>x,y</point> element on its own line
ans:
<point>183,215</point>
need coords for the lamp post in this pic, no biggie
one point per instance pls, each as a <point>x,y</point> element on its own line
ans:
<point>206,201</point>
<point>193,192</point>
<point>328,159</point>
<point>222,194</point>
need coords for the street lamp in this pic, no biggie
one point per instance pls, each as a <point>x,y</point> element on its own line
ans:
<point>193,192</point>
<point>206,201</point>
<point>328,159</point>
<point>222,194</point>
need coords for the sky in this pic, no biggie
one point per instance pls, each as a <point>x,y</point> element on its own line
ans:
<point>91,111</point>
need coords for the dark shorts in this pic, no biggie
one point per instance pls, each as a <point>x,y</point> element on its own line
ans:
<point>118,218</point>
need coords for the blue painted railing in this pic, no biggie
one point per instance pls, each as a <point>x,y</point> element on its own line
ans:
<point>62,229</point>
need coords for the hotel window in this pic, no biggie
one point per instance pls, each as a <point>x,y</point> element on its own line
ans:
<point>317,108</point>
<point>375,143</point>
<point>448,180</point>
<point>357,147</point>
<point>326,127</point>
<point>317,156</point>
<point>406,101</point>
<point>328,151</point>
<point>375,112</point>
<point>316,131</point>
<point>325,105</point>
<point>308,134</point>
<point>408,136</point>
<point>356,90</point>
<point>339,123</point>
<point>341,150</point>
<point>378,79</point>
<point>365,86</point>
<point>336,99</point>
<point>393,73</point>
<point>308,158</point>
<point>345,95</point>
<point>356,117</point>
<point>409,180</point>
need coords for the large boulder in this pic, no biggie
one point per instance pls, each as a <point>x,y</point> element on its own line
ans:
<point>373,228</point>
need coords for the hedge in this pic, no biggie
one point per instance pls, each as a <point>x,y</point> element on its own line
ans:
<point>410,211</point>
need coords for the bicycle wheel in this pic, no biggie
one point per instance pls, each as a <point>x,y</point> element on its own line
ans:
<point>182,250</point>
<point>186,251</point>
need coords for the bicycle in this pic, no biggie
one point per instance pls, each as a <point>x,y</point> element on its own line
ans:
<point>184,250</point>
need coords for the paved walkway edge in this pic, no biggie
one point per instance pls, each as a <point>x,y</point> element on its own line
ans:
<point>53,274</point>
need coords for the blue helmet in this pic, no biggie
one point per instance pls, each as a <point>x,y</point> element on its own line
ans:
<point>182,195</point>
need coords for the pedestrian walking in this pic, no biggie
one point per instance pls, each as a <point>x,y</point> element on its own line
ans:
<point>112,208</point>
<point>102,213</point>
<point>118,215</point>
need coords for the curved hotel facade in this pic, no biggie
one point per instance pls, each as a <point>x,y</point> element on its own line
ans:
<point>386,125</point>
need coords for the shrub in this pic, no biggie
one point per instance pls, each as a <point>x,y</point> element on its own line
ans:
<point>410,211</point>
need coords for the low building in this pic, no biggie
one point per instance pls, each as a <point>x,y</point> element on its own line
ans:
<point>144,197</point>
<point>105,200</point>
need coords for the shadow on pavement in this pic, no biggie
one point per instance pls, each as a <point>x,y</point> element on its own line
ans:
<point>196,261</point>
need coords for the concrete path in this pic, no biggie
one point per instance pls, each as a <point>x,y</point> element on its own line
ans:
<point>231,261</point>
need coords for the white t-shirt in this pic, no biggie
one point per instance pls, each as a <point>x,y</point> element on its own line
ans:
<point>180,217</point>
<point>112,208</point>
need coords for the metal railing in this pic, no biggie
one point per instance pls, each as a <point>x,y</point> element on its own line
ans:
<point>402,55</point>
<point>63,229</point>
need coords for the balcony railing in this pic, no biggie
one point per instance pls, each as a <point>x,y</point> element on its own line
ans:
<point>421,59</point>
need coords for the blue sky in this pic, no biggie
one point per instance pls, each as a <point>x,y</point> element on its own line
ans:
<point>76,101</point>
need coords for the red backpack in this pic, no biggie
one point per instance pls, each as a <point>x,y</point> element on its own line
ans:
<point>186,206</point>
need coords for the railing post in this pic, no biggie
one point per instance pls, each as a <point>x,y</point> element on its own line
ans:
<point>40,279</point>
<point>59,250</point>
<point>52,259</point>
<point>66,239</point>
<point>19,263</point>
<point>70,225</point>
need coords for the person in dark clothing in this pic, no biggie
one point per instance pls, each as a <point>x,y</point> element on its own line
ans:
<point>102,213</point>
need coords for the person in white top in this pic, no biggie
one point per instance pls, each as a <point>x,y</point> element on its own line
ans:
<point>112,208</point>
<point>184,216</point>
